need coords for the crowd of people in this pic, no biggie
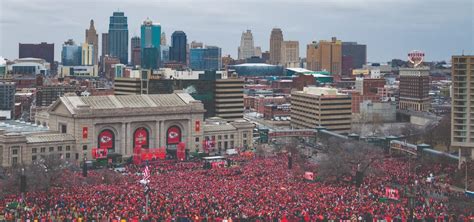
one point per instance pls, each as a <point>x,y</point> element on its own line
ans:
<point>255,189</point>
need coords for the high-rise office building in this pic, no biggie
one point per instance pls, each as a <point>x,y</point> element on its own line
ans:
<point>208,58</point>
<point>358,52</point>
<point>41,51</point>
<point>276,40</point>
<point>7,97</point>
<point>135,49</point>
<point>258,51</point>
<point>246,48</point>
<point>118,37</point>
<point>88,54</point>
<point>318,106</point>
<point>178,47</point>
<point>163,38</point>
<point>414,89</point>
<point>150,44</point>
<point>290,54</point>
<point>93,38</point>
<point>462,113</point>
<point>325,55</point>
<point>105,44</point>
<point>71,54</point>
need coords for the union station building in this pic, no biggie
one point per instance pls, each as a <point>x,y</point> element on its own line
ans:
<point>73,126</point>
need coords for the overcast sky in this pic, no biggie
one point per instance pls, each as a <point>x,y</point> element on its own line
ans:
<point>390,28</point>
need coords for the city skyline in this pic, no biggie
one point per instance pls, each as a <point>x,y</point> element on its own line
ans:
<point>388,34</point>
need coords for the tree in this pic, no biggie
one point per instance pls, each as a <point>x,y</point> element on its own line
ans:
<point>344,157</point>
<point>411,132</point>
<point>442,132</point>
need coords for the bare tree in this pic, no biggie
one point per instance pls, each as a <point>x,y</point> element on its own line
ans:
<point>344,157</point>
<point>411,132</point>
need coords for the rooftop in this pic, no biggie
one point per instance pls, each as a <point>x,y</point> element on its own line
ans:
<point>16,126</point>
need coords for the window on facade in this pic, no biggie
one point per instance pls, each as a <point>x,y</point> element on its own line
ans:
<point>213,138</point>
<point>60,148</point>
<point>197,139</point>
<point>232,144</point>
<point>225,145</point>
<point>245,135</point>
<point>219,145</point>
<point>43,149</point>
<point>226,136</point>
<point>63,128</point>
<point>232,136</point>
<point>77,156</point>
<point>15,152</point>
<point>68,155</point>
<point>245,142</point>
<point>219,137</point>
<point>34,150</point>
<point>84,147</point>
<point>33,158</point>
<point>14,160</point>
<point>51,149</point>
<point>68,148</point>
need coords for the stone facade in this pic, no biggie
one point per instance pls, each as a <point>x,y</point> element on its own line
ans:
<point>80,123</point>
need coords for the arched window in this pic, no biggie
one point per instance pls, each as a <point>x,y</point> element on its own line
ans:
<point>141,138</point>
<point>106,140</point>
<point>173,135</point>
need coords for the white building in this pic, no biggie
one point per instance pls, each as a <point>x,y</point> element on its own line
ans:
<point>246,49</point>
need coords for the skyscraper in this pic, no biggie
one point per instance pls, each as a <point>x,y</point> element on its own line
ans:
<point>135,49</point>
<point>246,49</point>
<point>87,54</point>
<point>276,39</point>
<point>150,44</point>
<point>325,55</point>
<point>163,38</point>
<point>178,47</point>
<point>358,52</point>
<point>118,37</point>
<point>290,54</point>
<point>93,38</point>
<point>105,44</point>
<point>71,54</point>
<point>462,113</point>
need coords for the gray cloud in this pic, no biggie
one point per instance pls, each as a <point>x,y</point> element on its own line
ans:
<point>390,28</point>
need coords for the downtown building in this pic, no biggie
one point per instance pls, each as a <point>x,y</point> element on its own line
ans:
<point>462,113</point>
<point>414,89</point>
<point>92,38</point>
<point>246,49</point>
<point>325,56</point>
<point>354,56</point>
<point>118,37</point>
<point>321,107</point>
<point>290,54</point>
<point>178,49</point>
<point>150,45</point>
<point>41,51</point>
<point>276,42</point>
<point>205,58</point>
<point>73,126</point>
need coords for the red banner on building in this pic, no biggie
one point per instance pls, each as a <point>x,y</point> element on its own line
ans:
<point>106,139</point>
<point>181,151</point>
<point>85,132</point>
<point>140,137</point>
<point>197,126</point>
<point>391,193</point>
<point>173,135</point>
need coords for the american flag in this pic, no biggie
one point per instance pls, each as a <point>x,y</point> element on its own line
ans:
<point>146,173</point>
